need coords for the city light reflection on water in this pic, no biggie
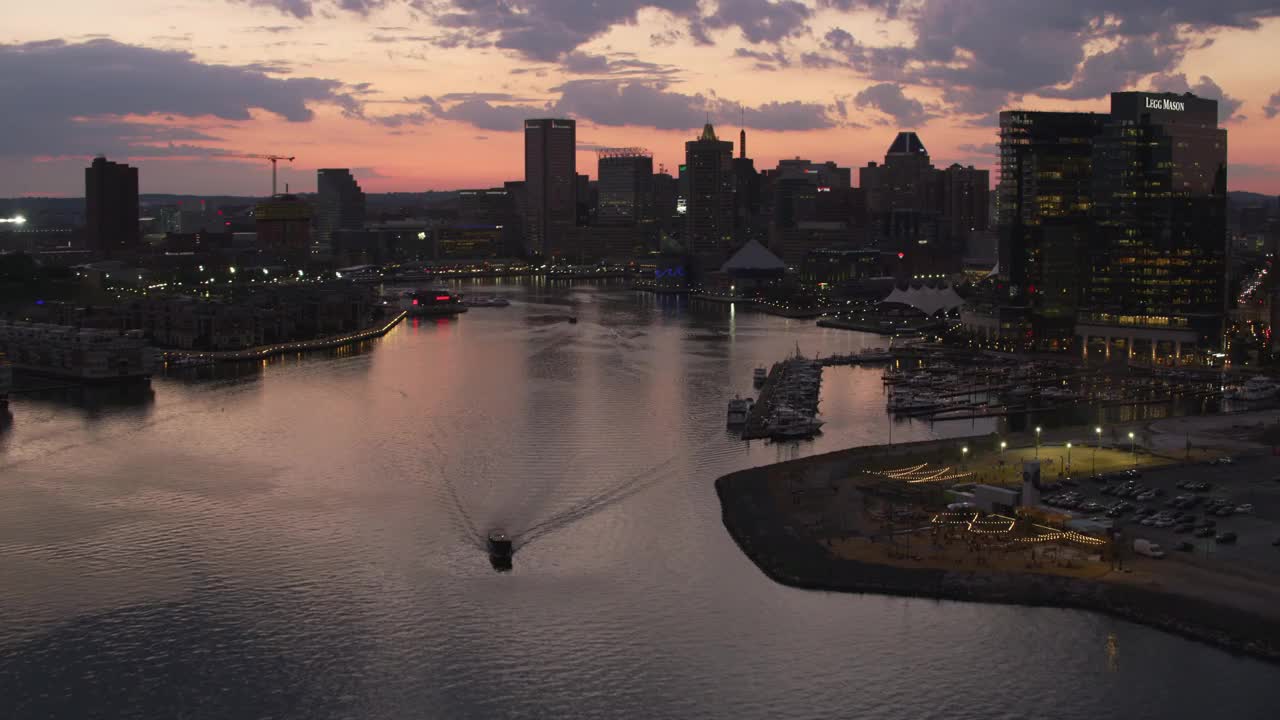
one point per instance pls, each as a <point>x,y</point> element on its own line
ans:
<point>304,539</point>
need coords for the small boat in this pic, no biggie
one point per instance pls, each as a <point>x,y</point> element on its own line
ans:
<point>739,409</point>
<point>500,549</point>
<point>573,320</point>
<point>486,301</point>
<point>760,375</point>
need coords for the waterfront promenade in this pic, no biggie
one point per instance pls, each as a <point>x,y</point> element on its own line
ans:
<point>265,351</point>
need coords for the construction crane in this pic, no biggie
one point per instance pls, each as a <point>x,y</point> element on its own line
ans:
<point>272,158</point>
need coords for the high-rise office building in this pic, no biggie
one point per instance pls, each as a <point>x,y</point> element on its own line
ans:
<point>550,181</point>
<point>708,233</point>
<point>625,182</point>
<point>1157,253</point>
<point>339,203</point>
<point>625,224</point>
<point>284,228</point>
<point>111,208</point>
<point>1043,200</point>
<point>1113,228</point>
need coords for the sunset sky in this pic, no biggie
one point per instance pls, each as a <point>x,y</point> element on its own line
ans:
<point>429,94</point>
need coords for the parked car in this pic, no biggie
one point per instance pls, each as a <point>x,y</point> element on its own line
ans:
<point>1204,532</point>
<point>1226,538</point>
<point>1183,529</point>
<point>1186,547</point>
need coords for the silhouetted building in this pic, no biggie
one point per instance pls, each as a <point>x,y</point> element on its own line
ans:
<point>550,176</point>
<point>708,233</point>
<point>1043,200</point>
<point>497,207</point>
<point>111,208</point>
<point>666,193</point>
<point>284,228</point>
<point>625,225</point>
<point>903,205</point>
<point>339,203</point>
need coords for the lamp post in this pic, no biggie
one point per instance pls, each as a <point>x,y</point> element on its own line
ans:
<point>1068,459</point>
<point>1003,445</point>
<point>964,455</point>
<point>1037,441</point>
<point>1133,448</point>
<point>1097,432</point>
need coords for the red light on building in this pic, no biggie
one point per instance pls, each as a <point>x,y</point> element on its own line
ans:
<point>901,255</point>
<point>415,301</point>
<point>442,298</point>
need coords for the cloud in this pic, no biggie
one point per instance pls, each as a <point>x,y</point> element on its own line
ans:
<point>651,104</point>
<point>76,96</point>
<point>303,9</point>
<point>1205,88</point>
<point>994,50</point>
<point>300,9</point>
<point>761,21</point>
<point>764,60</point>
<point>543,29</point>
<point>584,63</point>
<point>1272,108</point>
<point>889,99</point>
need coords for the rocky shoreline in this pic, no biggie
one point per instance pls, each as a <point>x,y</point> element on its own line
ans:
<point>787,556</point>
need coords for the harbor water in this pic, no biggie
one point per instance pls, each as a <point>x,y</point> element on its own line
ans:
<point>305,538</point>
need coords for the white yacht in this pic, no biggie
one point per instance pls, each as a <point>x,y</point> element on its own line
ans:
<point>739,409</point>
<point>1258,388</point>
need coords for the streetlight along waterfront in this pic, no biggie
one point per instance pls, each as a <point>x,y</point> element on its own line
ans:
<point>1068,459</point>
<point>1037,441</point>
<point>1097,432</point>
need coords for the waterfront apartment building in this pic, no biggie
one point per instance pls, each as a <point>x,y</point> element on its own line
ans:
<point>550,179</point>
<point>708,235</point>
<point>111,208</point>
<point>340,204</point>
<point>283,224</point>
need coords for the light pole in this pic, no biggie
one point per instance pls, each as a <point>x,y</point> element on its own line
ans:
<point>964,456</point>
<point>1133,448</point>
<point>1037,441</point>
<point>1097,432</point>
<point>1068,459</point>
<point>1003,445</point>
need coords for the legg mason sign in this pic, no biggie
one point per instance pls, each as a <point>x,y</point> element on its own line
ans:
<point>1164,104</point>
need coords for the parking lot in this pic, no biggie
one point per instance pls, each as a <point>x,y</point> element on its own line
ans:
<point>1157,504</point>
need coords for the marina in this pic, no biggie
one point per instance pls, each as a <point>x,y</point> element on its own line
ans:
<point>788,404</point>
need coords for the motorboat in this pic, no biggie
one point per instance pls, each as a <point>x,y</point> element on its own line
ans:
<point>739,409</point>
<point>573,320</point>
<point>485,301</point>
<point>759,376</point>
<point>500,549</point>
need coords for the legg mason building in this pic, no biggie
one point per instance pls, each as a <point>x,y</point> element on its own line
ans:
<point>1113,232</point>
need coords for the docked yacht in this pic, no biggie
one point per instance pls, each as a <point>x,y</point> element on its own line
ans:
<point>485,301</point>
<point>739,409</point>
<point>1256,389</point>
<point>431,301</point>
<point>789,424</point>
<point>6,381</point>
<point>759,376</point>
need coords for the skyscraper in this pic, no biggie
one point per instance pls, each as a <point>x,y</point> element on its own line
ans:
<point>1157,253</point>
<point>708,233</point>
<point>339,203</point>
<point>550,175</point>
<point>625,223</point>
<point>111,207</point>
<point>1113,228</point>
<point>1043,199</point>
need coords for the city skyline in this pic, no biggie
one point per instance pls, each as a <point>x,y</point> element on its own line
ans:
<point>415,96</point>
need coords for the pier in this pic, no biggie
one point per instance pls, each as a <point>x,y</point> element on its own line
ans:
<point>789,384</point>
<point>265,351</point>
